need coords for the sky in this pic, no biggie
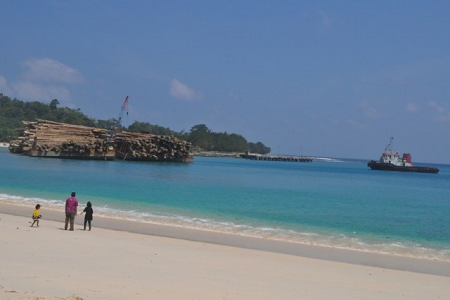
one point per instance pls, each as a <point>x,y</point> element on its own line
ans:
<point>315,78</point>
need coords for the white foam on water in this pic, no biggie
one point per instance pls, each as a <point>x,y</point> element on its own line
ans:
<point>306,237</point>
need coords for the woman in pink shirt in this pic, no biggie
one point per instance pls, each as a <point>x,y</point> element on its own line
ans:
<point>71,210</point>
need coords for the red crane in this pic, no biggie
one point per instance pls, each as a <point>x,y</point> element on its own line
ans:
<point>118,125</point>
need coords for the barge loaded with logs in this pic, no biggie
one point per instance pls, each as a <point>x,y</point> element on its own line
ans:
<point>59,140</point>
<point>149,147</point>
<point>50,139</point>
<point>391,161</point>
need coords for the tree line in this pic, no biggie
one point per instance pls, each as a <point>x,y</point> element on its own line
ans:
<point>14,111</point>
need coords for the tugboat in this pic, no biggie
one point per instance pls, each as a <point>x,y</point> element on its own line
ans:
<point>391,161</point>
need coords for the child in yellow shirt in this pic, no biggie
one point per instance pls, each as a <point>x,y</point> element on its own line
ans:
<point>36,216</point>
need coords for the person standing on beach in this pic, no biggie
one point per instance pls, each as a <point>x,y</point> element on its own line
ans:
<point>36,216</point>
<point>88,216</point>
<point>71,211</point>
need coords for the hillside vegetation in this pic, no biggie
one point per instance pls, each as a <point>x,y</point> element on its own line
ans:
<point>14,111</point>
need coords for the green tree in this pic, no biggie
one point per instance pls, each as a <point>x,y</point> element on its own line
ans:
<point>201,136</point>
<point>54,104</point>
<point>259,148</point>
<point>202,128</point>
<point>149,128</point>
<point>14,111</point>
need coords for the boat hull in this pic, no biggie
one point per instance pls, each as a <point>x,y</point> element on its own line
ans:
<point>184,158</point>
<point>92,155</point>
<point>375,165</point>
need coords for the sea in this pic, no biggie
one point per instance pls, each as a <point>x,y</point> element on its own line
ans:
<point>330,202</point>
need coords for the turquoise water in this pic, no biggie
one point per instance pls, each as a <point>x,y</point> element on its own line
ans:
<point>334,202</point>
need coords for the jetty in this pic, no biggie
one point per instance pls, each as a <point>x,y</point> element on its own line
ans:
<point>290,158</point>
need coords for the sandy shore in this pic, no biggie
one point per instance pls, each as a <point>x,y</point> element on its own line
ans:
<point>130,260</point>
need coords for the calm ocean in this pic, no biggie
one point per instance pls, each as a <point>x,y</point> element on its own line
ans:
<point>331,202</point>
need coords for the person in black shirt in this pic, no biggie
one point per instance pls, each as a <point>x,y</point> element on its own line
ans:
<point>88,215</point>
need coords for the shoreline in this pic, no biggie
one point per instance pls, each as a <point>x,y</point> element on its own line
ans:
<point>354,257</point>
<point>137,261</point>
<point>381,247</point>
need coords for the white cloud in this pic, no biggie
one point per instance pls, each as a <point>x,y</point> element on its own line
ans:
<point>355,124</point>
<point>412,107</point>
<point>412,72</point>
<point>182,91</point>
<point>38,92</point>
<point>42,80</point>
<point>326,19</point>
<point>48,70</point>
<point>4,88</point>
<point>368,110</point>
<point>438,108</point>
<point>442,113</point>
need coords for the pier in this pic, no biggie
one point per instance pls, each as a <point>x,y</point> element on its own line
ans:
<point>254,156</point>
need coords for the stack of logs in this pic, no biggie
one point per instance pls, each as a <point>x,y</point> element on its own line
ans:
<point>149,147</point>
<point>45,136</point>
<point>59,138</point>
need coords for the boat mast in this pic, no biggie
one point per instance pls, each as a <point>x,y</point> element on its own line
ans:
<point>389,146</point>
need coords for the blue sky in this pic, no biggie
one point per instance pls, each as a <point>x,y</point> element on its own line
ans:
<point>319,78</point>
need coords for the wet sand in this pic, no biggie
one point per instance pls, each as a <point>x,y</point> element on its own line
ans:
<point>122,259</point>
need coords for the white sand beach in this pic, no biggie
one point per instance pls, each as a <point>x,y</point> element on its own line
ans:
<point>129,260</point>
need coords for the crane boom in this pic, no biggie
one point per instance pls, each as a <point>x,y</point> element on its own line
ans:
<point>117,126</point>
<point>122,110</point>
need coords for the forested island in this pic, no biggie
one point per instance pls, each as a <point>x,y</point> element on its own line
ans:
<point>13,112</point>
